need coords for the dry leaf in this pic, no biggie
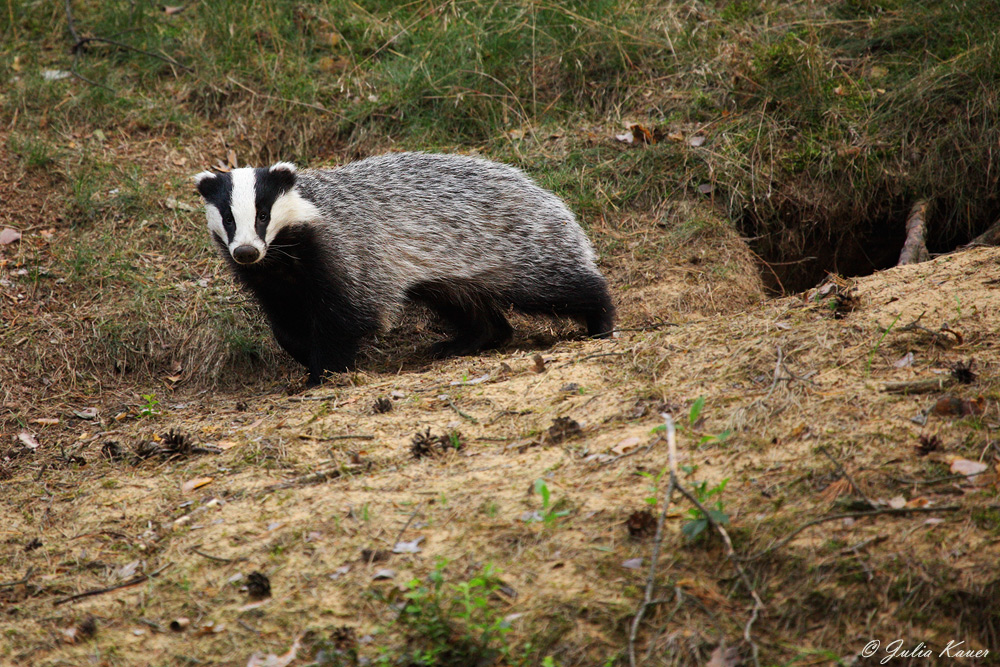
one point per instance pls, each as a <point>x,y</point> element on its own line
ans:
<point>625,138</point>
<point>171,10</point>
<point>45,421</point>
<point>86,413</point>
<point>233,162</point>
<point>626,445</point>
<point>897,503</point>
<point>905,362</point>
<point>412,547</point>
<point>632,563</point>
<point>195,483</point>
<point>960,466</point>
<point>918,502</point>
<point>8,236</point>
<point>696,140</point>
<point>272,660</point>
<point>724,657</point>
<point>28,440</point>
<point>675,136</point>
<point>383,574</point>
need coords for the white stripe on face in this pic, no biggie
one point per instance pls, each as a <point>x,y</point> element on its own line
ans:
<point>290,208</point>
<point>215,221</point>
<point>244,208</point>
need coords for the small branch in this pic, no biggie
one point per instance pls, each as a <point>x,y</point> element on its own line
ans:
<point>847,515</point>
<point>647,599</point>
<point>758,604</point>
<point>100,591</point>
<point>461,414</point>
<point>216,558</point>
<point>25,580</point>
<point>990,237</point>
<point>846,474</point>
<point>924,386</point>
<point>915,248</point>
<point>327,438</point>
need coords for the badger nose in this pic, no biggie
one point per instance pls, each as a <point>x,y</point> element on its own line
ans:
<point>246,254</point>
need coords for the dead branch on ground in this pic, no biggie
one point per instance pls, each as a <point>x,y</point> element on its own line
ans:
<point>80,43</point>
<point>674,483</point>
<point>915,248</point>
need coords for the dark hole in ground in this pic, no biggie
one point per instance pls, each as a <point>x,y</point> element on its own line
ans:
<point>802,253</point>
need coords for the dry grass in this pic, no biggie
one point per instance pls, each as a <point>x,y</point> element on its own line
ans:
<point>266,509</point>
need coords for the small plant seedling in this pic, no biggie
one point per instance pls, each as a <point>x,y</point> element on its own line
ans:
<point>698,522</point>
<point>549,515</point>
<point>695,413</point>
<point>654,487</point>
<point>150,408</point>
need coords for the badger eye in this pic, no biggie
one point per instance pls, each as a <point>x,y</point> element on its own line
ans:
<point>262,216</point>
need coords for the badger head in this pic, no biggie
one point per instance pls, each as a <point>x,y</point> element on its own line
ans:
<point>246,208</point>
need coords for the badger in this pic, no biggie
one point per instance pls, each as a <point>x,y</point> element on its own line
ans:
<point>333,255</point>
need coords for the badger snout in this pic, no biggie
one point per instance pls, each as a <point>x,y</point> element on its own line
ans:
<point>246,254</point>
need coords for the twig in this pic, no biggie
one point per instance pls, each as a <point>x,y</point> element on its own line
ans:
<point>100,591</point>
<point>915,247</point>
<point>302,399</point>
<point>402,530</point>
<point>346,436</point>
<point>847,515</point>
<point>216,558</point>
<point>934,480</point>
<point>461,414</point>
<point>647,599</point>
<point>923,386</point>
<point>80,42</point>
<point>758,604</point>
<point>25,580</point>
<point>846,474</point>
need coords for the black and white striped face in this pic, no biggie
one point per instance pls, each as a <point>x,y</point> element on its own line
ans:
<point>246,208</point>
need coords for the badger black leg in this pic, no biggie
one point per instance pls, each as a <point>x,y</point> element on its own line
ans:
<point>583,296</point>
<point>336,336</point>
<point>470,312</point>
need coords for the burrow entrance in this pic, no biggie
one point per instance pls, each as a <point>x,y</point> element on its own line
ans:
<point>796,254</point>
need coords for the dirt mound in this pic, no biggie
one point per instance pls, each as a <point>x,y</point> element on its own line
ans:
<point>315,491</point>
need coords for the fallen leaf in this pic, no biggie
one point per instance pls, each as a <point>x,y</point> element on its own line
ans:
<point>412,547</point>
<point>705,188</point>
<point>905,362</point>
<point>625,138</point>
<point>45,421</point>
<point>478,380</point>
<point>385,573</point>
<point>724,657</point>
<point>195,483</point>
<point>918,502</point>
<point>340,571</point>
<point>272,660</point>
<point>55,74</point>
<point>676,136</point>
<point>897,503</point>
<point>632,563</point>
<point>696,140</point>
<point>28,440</point>
<point>960,466</point>
<point>8,236</point>
<point>172,10</point>
<point>174,205</point>
<point>626,445</point>
<point>231,156</point>
<point>86,413</point>
<point>127,571</point>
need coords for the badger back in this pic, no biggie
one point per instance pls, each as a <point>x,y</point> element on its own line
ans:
<point>441,216</point>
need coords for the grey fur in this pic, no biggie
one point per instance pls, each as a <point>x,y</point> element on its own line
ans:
<point>468,236</point>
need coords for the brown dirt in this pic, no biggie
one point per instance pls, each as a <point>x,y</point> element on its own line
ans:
<point>904,577</point>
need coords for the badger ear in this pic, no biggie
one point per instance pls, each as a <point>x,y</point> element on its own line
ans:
<point>283,175</point>
<point>207,183</point>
